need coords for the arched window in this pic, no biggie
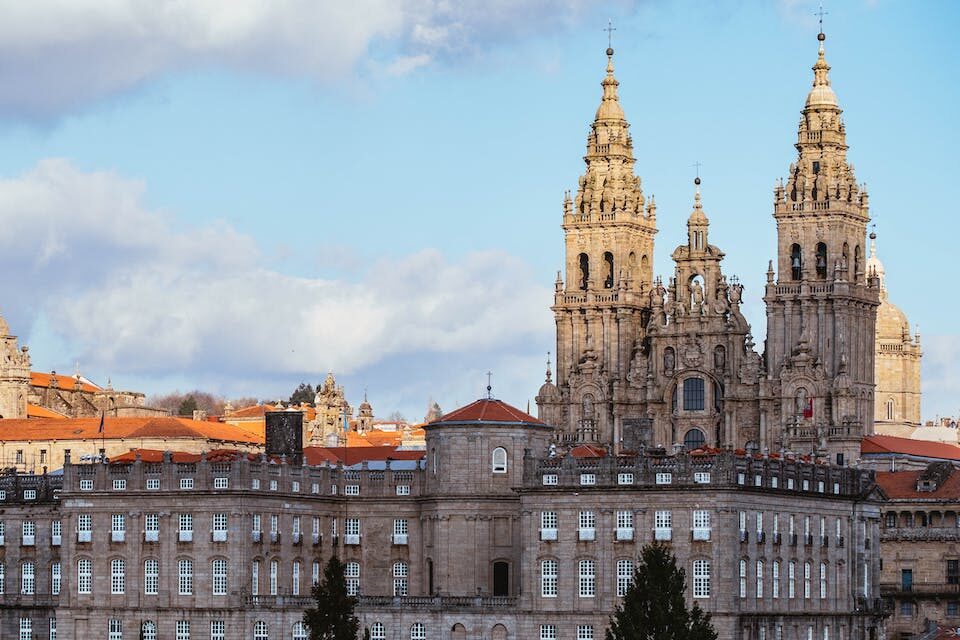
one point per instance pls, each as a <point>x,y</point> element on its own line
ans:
<point>890,409</point>
<point>644,264</point>
<point>845,260</point>
<point>856,260</point>
<point>300,631</point>
<point>218,580</point>
<point>418,631</point>
<point>584,271</point>
<point>117,576</point>
<point>458,632</point>
<point>185,577</point>
<point>28,578</point>
<point>260,630</point>
<point>501,579</point>
<point>151,576</point>
<point>352,572</point>
<point>693,394</point>
<point>377,631</point>
<point>608,270</point>
<point>499,460</point>
<point>148,631</point>
<point>694,439</point>
<point>796,262</point>
<point>821,260</point>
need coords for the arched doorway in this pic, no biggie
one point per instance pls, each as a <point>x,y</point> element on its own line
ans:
<point>459,632</point>
<point>499,632</point>
<point>501,578</point>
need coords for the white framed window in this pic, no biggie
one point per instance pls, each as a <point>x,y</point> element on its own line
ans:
<point>218,630</point>
<point>823,580</point>
<point>377,631</point>
<point>351,490</point>
<point>185,530</point>
<point>28,533</point>
<point>260,630</point>
<point>3,580</point>
<point>701,524</point>
<point>403,489</point>
<point>221,482</point>
<point>218,577</point>
<point>26,629</point>
<point>295,578</point>
<point>149,630</point>
<point>790,483</point>
<point>119,485</point>
<point>274,577</point>
<point>153,484</point>
<point>806,484</point>
<point>741,478</point>
<point>791,579</point>
<point>775,569</point>
<point>185,577</point>
<point>587,578</point>
<point>548,578</point>
<point>84,527</point>
<point>255,483</point>
<point>588,525</point>
<point>624,522</point>
<point>183,630</point>
<point>56,532</point>
<point>315,572</point>
<point>498,460</point>
<point>118,576</point>
<point>759,525</point>
<point>294,486</point>
<point>84,576</point>
<point>550,479</point>
<point>774,482</point>
<point>806,580</point>
<point>548,525</point>
<point>701,477</point>
<point>759,579</point>
<point>758,480</point>
<point>300,631</point>
<point>186,483</point>
<point>624,576</point>
<point>588,479</point>
<point>28,578</point>
<point>151,527</point>
<point>401,530</point>
<point>53,630</point>
<point>664,478</point>
<point>624,478</point>
<point>255,578</point>
<point>351,531</point>
<point>548,632</point>
<point>273,485</point>
<point>118,527</point>
<point>86,484</point>
<point>29,494</point>
<point>836,487</point>
<point>56,578</point>
<point>295,529</point>
<point>352,573</point>
<point>663,525</point>
<point>820,487</point>
<point>400,572</point>
<point>418,631</point>
<point>115,628</point>
<point>701,578</point>
<point>220,526</point>
<point>743,578</point>
<point>584,632</point>
<point>151,576</point>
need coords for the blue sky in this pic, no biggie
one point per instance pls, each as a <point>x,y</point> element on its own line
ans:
<point>238,196</point>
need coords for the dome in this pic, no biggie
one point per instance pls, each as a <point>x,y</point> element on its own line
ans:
<point>549,391</point>
<point>821,96</point>
<point>892,323</point>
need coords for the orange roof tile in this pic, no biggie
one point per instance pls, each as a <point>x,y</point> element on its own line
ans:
<point>38,379</point>
<point>155,455</point>
<point>355,455</point>
<point>122,428</point>
<point>903,485</point>
<point>588,451</point>
<point>35,411</point>
<point>878,444</point>
<point>488,410</point>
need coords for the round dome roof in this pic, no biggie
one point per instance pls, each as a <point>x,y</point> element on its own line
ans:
<point>821,96</point>
<point>548,390</point>
<point>892,323</point>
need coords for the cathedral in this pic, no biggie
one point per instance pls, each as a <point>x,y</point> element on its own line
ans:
<point>646,362</point>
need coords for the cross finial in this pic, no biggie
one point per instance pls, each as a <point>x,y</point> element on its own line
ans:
<point>489,385</point>
<point>697,165</point>
<point>610,29</point>
<point>820,13</point>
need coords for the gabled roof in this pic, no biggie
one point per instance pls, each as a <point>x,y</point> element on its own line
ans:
<point>487,410</point>
<point>36,411</point>
<point>68,383</point>
<point>879,445</point>
<point>122,428</point>
<point>903,485</point>
<point>588,451</point>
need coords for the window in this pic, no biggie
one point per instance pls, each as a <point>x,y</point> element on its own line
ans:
<point>791,578</point>
<point>805,485</point>
<point>218,571</point>
<point>84,575</point>
<point>400,572</point>
<point>584,632</point>
<point>274,576</point>
<point>377,631</point>
<point>352,572</point>
<point>548,525</point>
<point>548,578</point>
<point>186,527</point>
<point>116,629</point>
<point>118,527</point>
<point>701,578</point>
<point>693,396</point>
<point>295,578</point>
<point>273,485</point>
<point>823,580</point>
<point>403,489</point>
<point>588,478</point>
<point>953,608</point>
<point>185,579</point>
<point>186,483</point>
<point>806,580</point>
<point>151,577</point>
<point>56,578</point>
<point>953,571</point>
<point>53,630</point>
<point>255,483</point>
<point>218,630</point>
<point>624,525</point>
<point>664,478</point>
<point>119,485</point>
<point>418,631</point>
<point>255,578</point>
<point>701,477</point>
<point>153,484</point>
<point>84,527</point>
<point>221,483</point>
<point>587,578</point>
<point>351,490</point>
<point>701,524</point>
<point>758,480</point>
<point>3,581</point>
<point>260,630</point>
<point>28,533</point>
<point>294,487</point>
<point>28,578</point>
<point>694,439</point>
<point>624,478</point>
<point>760,578</point>
<point>588,524</point>
<point>499,460</point>
<point>775,592</point>
<point>300,632</point>
<point>56,532</point>
<point>315,572</point>
<point>743,578</point>
<point>29,494</point>
<point>219,527</point>
<point>151,527</point>
<point>118,579</point>
<point>548,632</point>
<point>662,525</point>
<point>26,629</point>
<point>183,630</point>
<point>550,479</point>
<point>86,484</point>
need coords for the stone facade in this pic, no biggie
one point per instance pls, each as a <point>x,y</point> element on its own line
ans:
<point>641,364</point>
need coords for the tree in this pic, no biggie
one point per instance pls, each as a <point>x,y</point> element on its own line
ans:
<point>332,618</point>
<point>654,606</point>
<point>187,407</point>
<point>303,393</point>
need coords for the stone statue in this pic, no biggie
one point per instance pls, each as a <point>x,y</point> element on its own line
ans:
<point>696,293</point>
<point>669,360</point>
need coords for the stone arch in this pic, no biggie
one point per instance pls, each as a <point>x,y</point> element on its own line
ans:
<point>796,262</point>
<point>584,263</point>
<point>857,259</point>
<point>458,632</point>
<point>821,257</point>
<point>694,438</point>
<point>500,581</point>
<point>499,632</point>
<point>608,270</point>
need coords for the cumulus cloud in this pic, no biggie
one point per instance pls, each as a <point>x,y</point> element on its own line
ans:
<point>133,293</point>
<point>58,54</point>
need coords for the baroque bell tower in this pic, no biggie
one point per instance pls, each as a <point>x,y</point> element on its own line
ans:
<point>821,302</point>
<point>599,306</point>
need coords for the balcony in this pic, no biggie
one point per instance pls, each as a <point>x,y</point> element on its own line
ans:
<point>118,536</point>
<point>296,537</point>
<point>28,540</point>
<point>218,535</point>
<point>701,535</point>
<point>548,535</point>
<point>663,533</point>
<point>400,538</point>
<point>437,603</point>
<point>624,534</point>
<point>55,540</point>
<point>256,536</point>
<point>84,536</point>
<point>587,534</point>
<point>151,536</point>
<point>269,602</point>
<point>352,539</point>
<point>185,536</point>
<point>931,589</point>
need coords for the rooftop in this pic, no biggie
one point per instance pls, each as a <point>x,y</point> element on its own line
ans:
<point>488,410</point>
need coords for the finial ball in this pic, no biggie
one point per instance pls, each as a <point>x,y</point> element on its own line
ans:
<point>609,51</point>
<point>696,181</point>
<point>821,36</point>
<point>873,235</point>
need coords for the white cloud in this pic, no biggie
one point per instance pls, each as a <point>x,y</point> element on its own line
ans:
<point>133,294</point>
<point>58,54</point>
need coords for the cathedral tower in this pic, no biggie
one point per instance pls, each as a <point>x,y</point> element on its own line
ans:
<point>609,230</point>
<point>821,307</point>
<point>14,375</point>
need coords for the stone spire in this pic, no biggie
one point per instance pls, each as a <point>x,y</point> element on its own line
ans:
<point>697,224</point>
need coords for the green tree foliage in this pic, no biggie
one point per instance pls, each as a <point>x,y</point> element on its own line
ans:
<point>332,618</point>
<point>655,607</point>
<point>303,393</point>
<point>187,407</point>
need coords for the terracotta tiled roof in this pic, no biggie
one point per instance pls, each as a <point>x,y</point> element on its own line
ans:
<point>38,379</point>
<point>588,451</point>
<point>903,485</point>
<point>355,455</point>
<point>122,428</point>
<point>877,444</point>
<point>488,410</point>
<point>34,411</point>
<point>155,455</point>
